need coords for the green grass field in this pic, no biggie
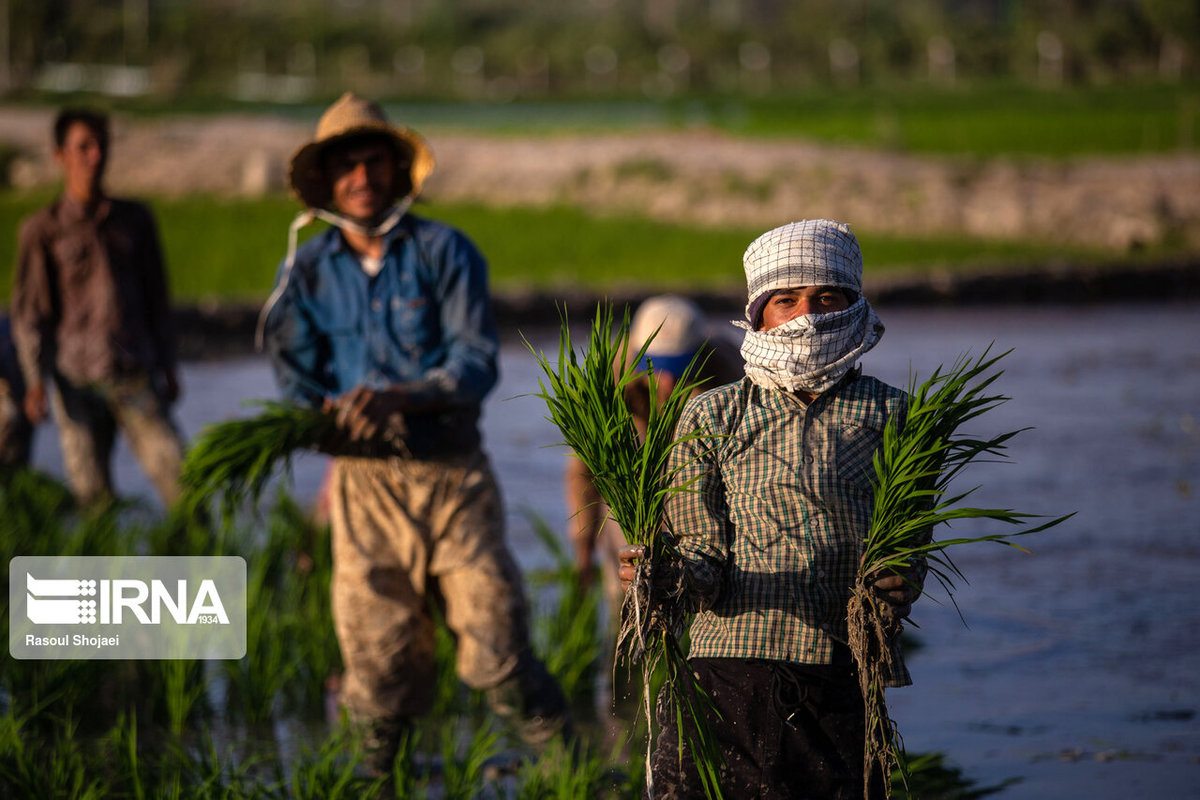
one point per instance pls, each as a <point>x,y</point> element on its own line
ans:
<point>973,119</point>
<point>983,121</point>
<point>229,249</point>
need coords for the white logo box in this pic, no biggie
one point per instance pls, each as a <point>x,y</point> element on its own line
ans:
<point>127,607</point>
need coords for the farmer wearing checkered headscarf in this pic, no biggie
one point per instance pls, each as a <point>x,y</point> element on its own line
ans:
<point>807,352</point>
<point>385,321</point>
<point>770,531</point>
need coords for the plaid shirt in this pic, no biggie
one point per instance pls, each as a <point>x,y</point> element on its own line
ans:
<point>774,526</point>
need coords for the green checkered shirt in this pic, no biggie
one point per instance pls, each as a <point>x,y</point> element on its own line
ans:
<point>783,497</point>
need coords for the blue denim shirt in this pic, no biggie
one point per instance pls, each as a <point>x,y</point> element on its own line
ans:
<point>424,320</point>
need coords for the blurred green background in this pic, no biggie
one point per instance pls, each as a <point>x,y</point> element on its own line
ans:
<point>199,52</point>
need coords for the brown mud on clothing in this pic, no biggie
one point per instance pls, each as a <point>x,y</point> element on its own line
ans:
<point>404,531</point>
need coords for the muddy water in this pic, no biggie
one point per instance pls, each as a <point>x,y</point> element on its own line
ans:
<point>1075,667</point>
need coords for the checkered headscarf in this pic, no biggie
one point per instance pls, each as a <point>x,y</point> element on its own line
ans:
<point>813,252</point>
<point>812,352</point>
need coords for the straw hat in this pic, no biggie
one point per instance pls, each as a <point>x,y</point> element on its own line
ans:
<point>354,116</point>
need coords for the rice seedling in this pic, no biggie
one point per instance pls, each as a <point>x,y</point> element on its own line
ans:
<point>181,683</point>
<point>568,772</point>
<point>567,632</point>
<point>463,775</point>
<point>332,771</point>
<point>235,460</point>
<point>921,453</point>
<point>304,561</point>
<point>631,472</point>
<point>30,503</point>
<point>404,779</point>
<point>30,768</point>
<point>206,773</point>
<point>256,681</point>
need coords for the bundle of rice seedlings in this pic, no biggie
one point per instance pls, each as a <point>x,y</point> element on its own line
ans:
<point>235,460</point>
<point>631,473</point>
<point>921,454</point>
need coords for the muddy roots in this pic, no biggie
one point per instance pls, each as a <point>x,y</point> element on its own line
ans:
<point>655,605</point>
<point>873,627</point>
<point>652,618</point>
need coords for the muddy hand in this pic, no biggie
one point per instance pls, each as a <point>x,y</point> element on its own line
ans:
<point>627,558</point>
<point>350,414</point>
<point>898,589</point>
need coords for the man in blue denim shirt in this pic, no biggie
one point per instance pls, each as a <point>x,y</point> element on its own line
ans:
<point>385,321</point>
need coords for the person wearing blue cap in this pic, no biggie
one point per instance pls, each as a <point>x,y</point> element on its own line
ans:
<point>677,331</point>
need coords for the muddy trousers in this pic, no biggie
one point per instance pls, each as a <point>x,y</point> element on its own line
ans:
<point>88,418</point>
<point>785,731</point>
<point>410,533</point>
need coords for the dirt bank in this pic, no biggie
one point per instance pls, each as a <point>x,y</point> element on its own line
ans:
<point>699,177</point>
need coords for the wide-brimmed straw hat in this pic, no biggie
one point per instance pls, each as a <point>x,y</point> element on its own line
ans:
<point>349,117</point>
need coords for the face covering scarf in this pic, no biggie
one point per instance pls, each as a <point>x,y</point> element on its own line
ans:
<point>810,353</point>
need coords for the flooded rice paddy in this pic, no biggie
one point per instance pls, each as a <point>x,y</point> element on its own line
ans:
<point>1075,667</point>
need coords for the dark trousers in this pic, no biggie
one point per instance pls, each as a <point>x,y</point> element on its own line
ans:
<point>785,730</point>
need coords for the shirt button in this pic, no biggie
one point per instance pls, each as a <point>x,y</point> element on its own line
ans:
<point>808,459</point>
<point>376,305</point>
<point>820,573</point>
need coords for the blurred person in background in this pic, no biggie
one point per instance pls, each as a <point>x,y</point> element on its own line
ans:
<point>680,333</point>
<point>16,434</point>
<point>91,318</point>
<point>771,531</point>
<point>385,321</point>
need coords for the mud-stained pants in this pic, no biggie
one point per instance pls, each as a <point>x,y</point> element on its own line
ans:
<point>786,732</point>
<point>406,531</point>
<point>88,418</point>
